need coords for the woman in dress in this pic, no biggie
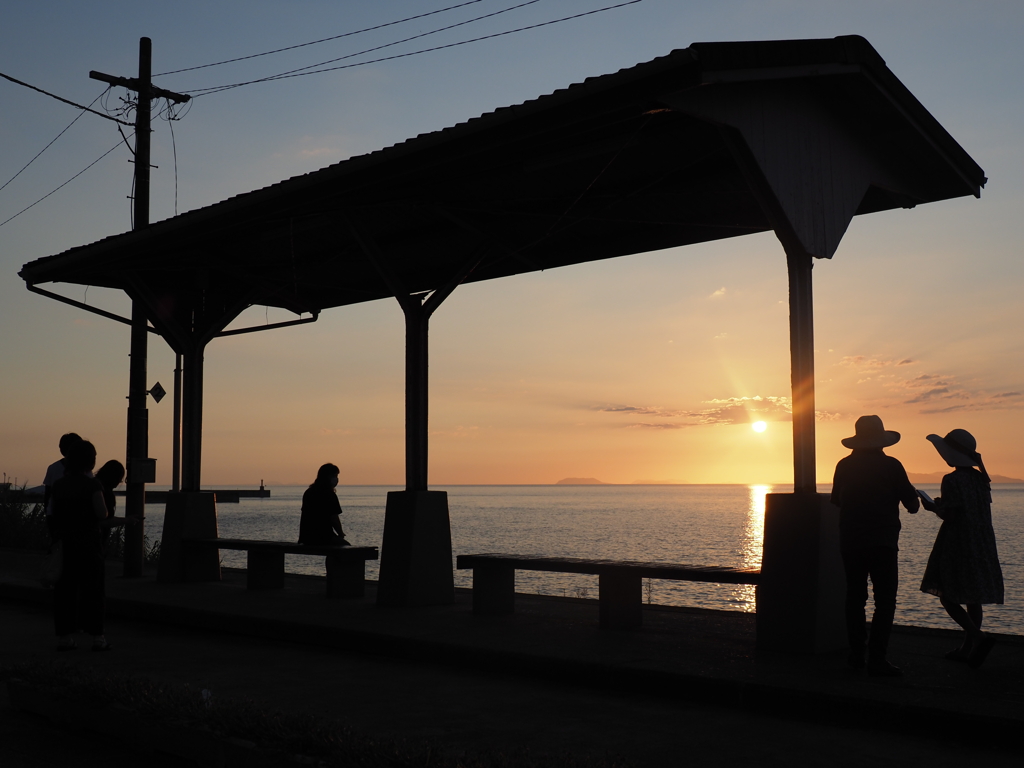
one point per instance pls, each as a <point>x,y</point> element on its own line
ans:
<point>963,568</point>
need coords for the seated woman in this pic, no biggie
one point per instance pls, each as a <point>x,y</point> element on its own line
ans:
<point>320,522</point>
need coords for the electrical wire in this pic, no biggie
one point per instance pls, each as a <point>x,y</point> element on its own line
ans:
<point>90,165</point>
<point>324,40</point>
<point>51,142</point>
<point>217,89</point>
<point>58,98</point>
<point>408,39</point>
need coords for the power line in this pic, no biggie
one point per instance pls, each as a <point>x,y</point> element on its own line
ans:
<point>90,165</point>
<point>285,75</point>
<point>324,40</point>
<point>58,98</point>
<point>407,39</point>
<point>51,143</point>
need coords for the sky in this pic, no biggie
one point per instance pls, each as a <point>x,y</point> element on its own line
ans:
<point>647,368</point>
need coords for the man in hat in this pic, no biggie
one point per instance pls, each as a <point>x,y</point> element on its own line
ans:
<point>868,488</point>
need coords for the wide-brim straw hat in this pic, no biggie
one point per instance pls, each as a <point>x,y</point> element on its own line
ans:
<point>871,434</point>
<point>958,448</point>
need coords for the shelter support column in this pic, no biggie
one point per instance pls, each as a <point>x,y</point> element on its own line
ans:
<point>801,350</point>
<point>190,513</point>
<point>192,419</point>
<point>417,391</point>
<point>416,551</point>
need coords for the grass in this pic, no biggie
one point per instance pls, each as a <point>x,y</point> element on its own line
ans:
<point>22,524</point>
<point>150,549</point>
<point>328,741</point>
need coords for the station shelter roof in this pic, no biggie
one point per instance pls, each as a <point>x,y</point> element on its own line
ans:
<point>647,158</point>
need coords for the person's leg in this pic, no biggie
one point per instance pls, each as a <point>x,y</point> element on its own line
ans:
<point>960,616</point>
<point>884,569</point>
<point>65,601</point>
<point>855,566</point>
<point>970,621</point>
<point>977,614</point>
<point>93,596</point>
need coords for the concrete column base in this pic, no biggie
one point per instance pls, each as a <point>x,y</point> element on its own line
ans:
<point>189,515</point>
<point>416,553</point>
<point>801,594</point>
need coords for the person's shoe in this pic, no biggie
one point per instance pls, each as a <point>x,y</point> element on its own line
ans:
<point>66,644</point>
<point>980,652</point>
<point>958,654</point>
<point>882,668</point>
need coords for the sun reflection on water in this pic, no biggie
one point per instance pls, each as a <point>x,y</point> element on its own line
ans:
<point>750,551</point>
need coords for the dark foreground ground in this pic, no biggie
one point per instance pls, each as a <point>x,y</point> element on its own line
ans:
<point>687,688</point>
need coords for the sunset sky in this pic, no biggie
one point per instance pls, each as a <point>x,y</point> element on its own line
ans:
<point>645,368</point>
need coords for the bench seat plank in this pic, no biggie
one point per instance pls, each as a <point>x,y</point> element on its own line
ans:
<point>620,582</point>
<point>287,547</point>
<point>346,565</point>
<point>643,569</point>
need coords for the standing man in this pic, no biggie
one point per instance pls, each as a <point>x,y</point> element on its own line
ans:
<point>55,472</point>
<point>868,488</point>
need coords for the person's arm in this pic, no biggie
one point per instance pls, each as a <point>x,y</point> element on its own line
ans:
<point>949,503</point>
<point>908,493</point>
<point>837,488</point>
<point>336,516</point>
<point>99,506</point>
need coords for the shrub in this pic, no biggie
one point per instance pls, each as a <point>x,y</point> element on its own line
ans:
<point>150,549</point>
<point>22,524</point>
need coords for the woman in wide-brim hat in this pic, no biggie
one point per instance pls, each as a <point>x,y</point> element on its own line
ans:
<point>963,568</point>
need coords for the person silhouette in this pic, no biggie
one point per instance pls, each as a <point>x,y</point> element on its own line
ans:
<point>78,509</point>
<point>110,475</point>
<point>868,488</point>
<point>963,568</point>
<point>55,472</point>
<point>320,522</point>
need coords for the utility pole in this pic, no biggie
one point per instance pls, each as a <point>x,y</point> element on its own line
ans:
<point>141,469</point>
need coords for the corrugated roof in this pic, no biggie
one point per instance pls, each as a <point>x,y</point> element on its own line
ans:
<point>600,169</point>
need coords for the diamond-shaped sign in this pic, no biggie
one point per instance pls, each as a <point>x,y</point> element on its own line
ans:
<point>157,392</point>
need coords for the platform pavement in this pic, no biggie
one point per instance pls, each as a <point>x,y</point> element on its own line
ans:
<point>442,672</point>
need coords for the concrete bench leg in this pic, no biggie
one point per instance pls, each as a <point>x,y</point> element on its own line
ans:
<point>621,600</point>
<point>494,590</point>
<point>346,577</point>
<point>265,570</point>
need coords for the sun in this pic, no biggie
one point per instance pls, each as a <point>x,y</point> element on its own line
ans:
<point>759,426</point>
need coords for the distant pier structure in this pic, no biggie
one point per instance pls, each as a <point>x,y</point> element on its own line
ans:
<point>712,141</point>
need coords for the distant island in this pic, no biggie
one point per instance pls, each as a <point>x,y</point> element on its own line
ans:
<point>580,481</point>
<point>936,477</point>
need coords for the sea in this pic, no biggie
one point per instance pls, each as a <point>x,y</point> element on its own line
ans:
<point>719,525</point>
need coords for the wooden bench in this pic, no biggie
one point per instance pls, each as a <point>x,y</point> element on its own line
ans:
<point>620,582</point>
<point>346,565</point>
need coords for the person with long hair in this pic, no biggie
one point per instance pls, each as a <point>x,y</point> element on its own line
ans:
<point>963,568</point>
<point>320,522</point>
<point>110,475</point>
